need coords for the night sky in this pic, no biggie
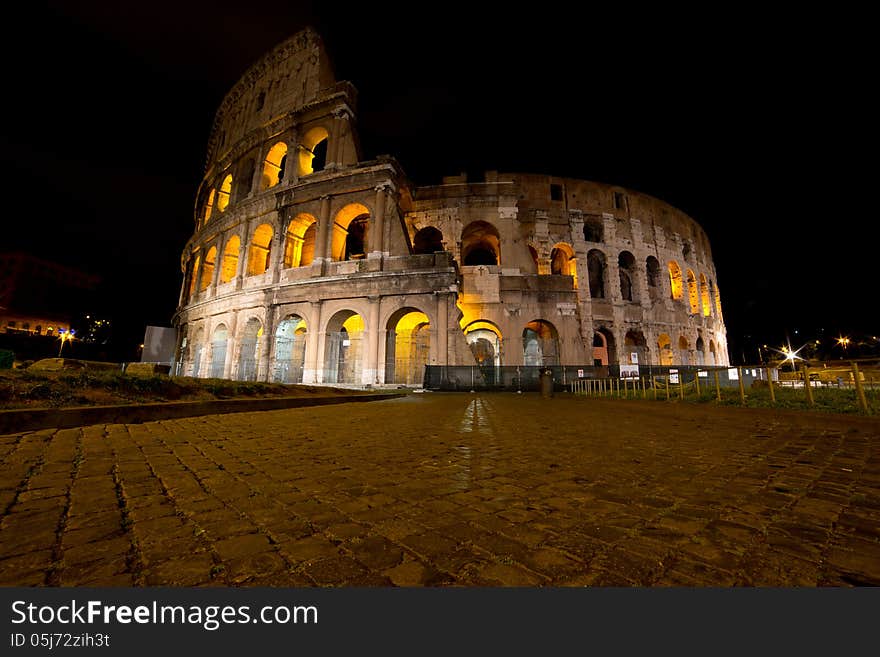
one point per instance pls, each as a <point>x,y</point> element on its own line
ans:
<point>754,124</point>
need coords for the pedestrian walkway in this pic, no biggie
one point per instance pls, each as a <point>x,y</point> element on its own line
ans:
<point>448,489</point>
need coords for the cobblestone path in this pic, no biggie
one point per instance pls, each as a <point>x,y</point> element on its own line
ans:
<point>448,489</point>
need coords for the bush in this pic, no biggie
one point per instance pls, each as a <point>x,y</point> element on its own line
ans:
<point>7,358</point>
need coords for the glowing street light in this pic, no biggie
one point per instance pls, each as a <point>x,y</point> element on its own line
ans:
<point>843,342</point>
<point>64,336</point>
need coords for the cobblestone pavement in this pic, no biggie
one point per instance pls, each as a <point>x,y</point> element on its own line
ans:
<point>448,489</point>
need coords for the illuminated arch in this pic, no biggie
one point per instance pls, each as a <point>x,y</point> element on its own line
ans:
<point>312,151</point>
<point>563,262</point>
<point>219,341</point>
<point>207,275</point>
<point>484,339</point>
<point>693,293</point>
<point>407,346</point>
<point>249,350</point>
<point>718,302</point>
<point>299,245</point>
<point>196,347</point>
<point>350,232</point>
<point>480,244</point>
<point>273,166</point>
<point>209,206</point>
<point>664,345</point>
<point>675,281</point>
<point>260,251</point>
<point>229,266</point>
<point>344,348</point>
<point>224,193</point>
<point>540,343</point>
<point>290,349</point>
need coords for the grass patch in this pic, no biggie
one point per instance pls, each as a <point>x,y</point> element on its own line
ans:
<point>29,389</point>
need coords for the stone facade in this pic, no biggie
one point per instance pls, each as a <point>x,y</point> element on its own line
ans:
<point>310,265</point>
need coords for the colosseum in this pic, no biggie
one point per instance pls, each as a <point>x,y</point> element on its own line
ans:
<point>308,264</point>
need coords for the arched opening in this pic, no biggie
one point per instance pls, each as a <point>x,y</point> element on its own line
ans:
<point>596,271</point>
<point>355,241</point>
<point>344,348</point>
<point>218,351</point>
<point>626,267</point>
<point>713,358</point>
<point>675,283</point>
<point>693,293</point>
<point>704,296</point>
<point>484,340</point>
<point>652,273</point>
<point>407,346</point>
<point>701,354</point>
<point>224,193</point>
<point>313,151</point>
<point>664,344</point>
<point>609,356</point>
<point>594,230</point>
<point>600,349</point>
<point>196,347</point>
<point>194,275</point>
<point>480,244</point>
<point>260,251</point>
<point>229,267</point>
<point>540,344</point>
<point>273,170</point>
<point>207,275</point>
<point>290,350</point>
<point>636,348</point>
<point>718,303</point>
<point>563,263</point>
<point>350,232</point>
<point>684,351</point>
<point>209,206</point>
<point>534,254</point>
<point>299,246</point>
<point>428,240</point>
<point>249,350</point>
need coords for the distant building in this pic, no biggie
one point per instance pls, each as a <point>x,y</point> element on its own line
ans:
<point>40,297</point>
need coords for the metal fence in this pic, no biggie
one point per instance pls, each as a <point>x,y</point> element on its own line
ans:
<point>527,377</point>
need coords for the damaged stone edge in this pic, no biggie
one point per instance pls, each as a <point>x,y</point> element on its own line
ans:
<point>16,421</point>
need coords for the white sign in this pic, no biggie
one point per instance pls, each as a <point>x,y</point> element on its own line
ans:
<point>732,374</point>
<point>634,357</point>
<point>629,371</point>
<point>703,374</point>
<point>580,374</point>
<point>673,376</point>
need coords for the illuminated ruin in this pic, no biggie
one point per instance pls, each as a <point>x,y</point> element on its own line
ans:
<point>308,264</point>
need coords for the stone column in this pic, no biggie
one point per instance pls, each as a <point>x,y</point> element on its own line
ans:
<point>268,347</point>
<point>243,249</point>
<point>442,328</point>
<point>371,370</point>
<point>218,261</point>
<point>325,230</point>
<point>231,351</point>
<point>277,254</point>
<point>310,371</point>
<point>377,233</point>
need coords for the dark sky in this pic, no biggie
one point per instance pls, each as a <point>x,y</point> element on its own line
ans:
<point>755,124</point>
